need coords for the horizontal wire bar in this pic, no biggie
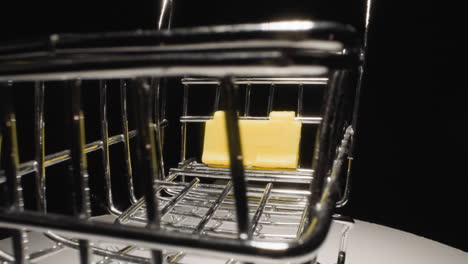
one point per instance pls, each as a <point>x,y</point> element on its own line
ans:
<point>301,171</point>
<point>258,81</point>
<point>201,119</point>
<point>55,158</point>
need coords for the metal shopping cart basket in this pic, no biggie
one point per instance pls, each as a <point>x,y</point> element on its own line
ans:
<point>193,211</point>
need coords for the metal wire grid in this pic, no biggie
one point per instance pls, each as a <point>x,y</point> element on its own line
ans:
<point>232,204</point>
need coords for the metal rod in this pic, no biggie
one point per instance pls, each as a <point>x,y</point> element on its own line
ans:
<point>134,207</point>
<point>183,125</point>
<point>79,167</point>
<point>164,122</point>
<point>178,256</point>
<point>126,141</point>
<point>157,125</point>
<point>14,187</point>
<point>260,208</point>
<point>303,222</point>
<point>6,257</point>
<point>55,158</point>
<point>39,137</point>
<point>347,188</point>
<point>235,156</point>
<point>95,250</point>
<point>171,203</point>
<point>361,79</point>
<point>300,100</point>
<point>165,14</point>
<point>249,177</point>
<point>201,119</point>
<point>147,163</point>
<point>217,96</point>
<point>206,218</point>
<point>105,148</point>
<point>36,256</point>
<point>271,98</point>
<point>321,158</point>
<point>209,214</point>
<point>247,100</point>
<point>123,251</point>
<point>314,80</point>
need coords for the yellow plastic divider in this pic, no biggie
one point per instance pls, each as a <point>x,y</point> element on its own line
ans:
<point>266,144</point>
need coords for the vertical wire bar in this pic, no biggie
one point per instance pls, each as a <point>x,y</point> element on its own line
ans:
<point>260,208</point>
<point>165,14</point>
<point>302,223</point>
<point>235,156</point>
<point>105,147</point>
<point>157,124</point>
<point>163,109</point>
<point>362,68</point>
<point>300,100</point>
<point>217,96</point>
<point>126,141</point>
<point>39,134</point>
<point>300,107</point>
<point>15,190</point>
<point>271,98</point>
<point>147,164</point>
<point>321,162</point>
<point>247,100</point>
<point>183,126</point>
<point>343,244</point>
<point>79,166</point>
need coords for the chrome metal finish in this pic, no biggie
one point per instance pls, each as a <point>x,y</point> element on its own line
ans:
<point>247,99</point>
<point>300,100</point>
<point>79,167</point>
<point>236,213</point>
<point>165,14</point>
<point>5,257</point>
<point>170,204</point>
<point>209,214</point>
<point>250,81</point>
<point>201,119</point>
<point>39,146</point>
<point>15,190</point>
<point>157,126</point>
<point>146,157</point>
<point>183,126</point>
<point>126,140</point>
<point>235,157</point>
<point>105,148</point>
<point>247,250</point>
<point>217,97</point>
<point>201,170</point>
<point>260,208</point>
<point>56,158</point>
<point>271,98</point>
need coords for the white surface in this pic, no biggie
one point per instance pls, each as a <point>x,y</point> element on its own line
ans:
<point>375,244</point>
<point>368,244</point>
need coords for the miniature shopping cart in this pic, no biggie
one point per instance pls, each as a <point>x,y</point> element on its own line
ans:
<point>196,209</point>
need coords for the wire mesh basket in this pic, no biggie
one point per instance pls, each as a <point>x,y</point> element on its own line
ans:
<point>192,211</point>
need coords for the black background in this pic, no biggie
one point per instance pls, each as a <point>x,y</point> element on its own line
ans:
<point>409,170</point>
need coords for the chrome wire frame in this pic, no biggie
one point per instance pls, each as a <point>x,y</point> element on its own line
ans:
<point>230,219</point>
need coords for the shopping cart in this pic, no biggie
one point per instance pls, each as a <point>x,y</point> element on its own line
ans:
<point>192,211</point>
